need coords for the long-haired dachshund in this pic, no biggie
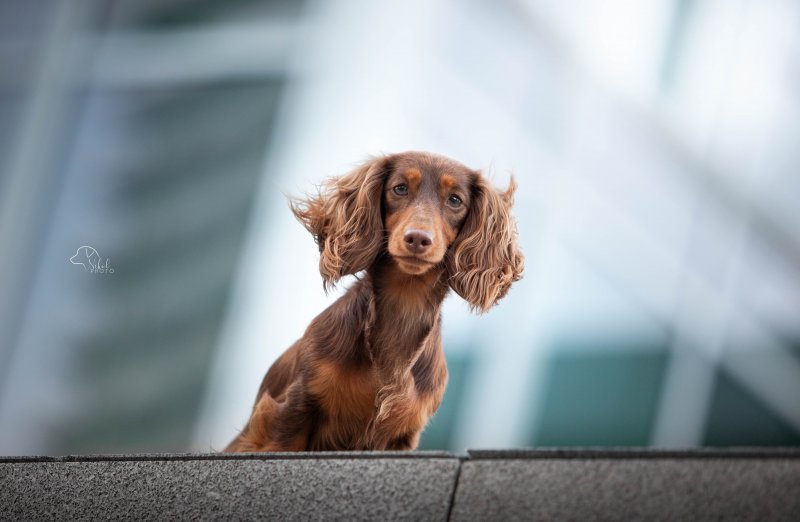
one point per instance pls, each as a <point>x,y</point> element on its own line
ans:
<point>369,370</point>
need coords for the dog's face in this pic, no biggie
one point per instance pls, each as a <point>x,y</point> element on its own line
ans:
<point>422,209</point>
<point>426,200</point>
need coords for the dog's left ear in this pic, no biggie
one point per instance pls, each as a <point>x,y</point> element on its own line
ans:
<point>345,220</point>
<point>484,259</point>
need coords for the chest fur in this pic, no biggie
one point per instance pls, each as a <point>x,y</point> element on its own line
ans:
<point>350,401</point>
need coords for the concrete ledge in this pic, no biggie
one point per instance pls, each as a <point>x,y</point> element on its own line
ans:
<point>278,487</point>
<point>641,484</point>
<point>574,484</point>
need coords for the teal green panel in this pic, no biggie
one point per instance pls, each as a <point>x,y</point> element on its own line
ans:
<point>738,418</point>
<point>438,435</point>
<point>601,398</point>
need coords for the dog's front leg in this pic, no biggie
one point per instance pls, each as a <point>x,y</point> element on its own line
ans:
<point>399,419</point>
<point>277,426</point>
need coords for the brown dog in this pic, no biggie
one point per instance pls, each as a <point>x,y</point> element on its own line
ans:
<point>369,370</point>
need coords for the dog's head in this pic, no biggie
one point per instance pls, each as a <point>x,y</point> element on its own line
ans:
<point>424,210</point>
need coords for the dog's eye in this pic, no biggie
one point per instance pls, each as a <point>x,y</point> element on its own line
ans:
<point>454,201</point>
<point>401,189</point>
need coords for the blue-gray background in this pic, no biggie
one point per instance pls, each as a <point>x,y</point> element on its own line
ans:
<point>656,145</point>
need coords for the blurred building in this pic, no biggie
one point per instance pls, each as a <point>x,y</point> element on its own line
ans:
<point>657,150</point>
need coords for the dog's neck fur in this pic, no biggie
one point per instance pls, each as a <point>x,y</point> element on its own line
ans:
<point>404,310</point>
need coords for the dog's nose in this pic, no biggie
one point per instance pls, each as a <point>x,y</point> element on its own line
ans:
<point>418,241</point>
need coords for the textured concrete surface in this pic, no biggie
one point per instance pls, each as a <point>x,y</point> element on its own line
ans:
<point>629,485</point>
<point>747,484</point>
<point>332,487</point>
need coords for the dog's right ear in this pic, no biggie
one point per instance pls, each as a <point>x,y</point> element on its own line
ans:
<point>485,259</point>
<point>345,220</point>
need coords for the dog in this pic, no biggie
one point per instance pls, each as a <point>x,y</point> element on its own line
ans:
<point>369,371</point>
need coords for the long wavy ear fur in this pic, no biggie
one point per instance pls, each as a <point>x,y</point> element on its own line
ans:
<point>345,220</point>
<point>485,260</point>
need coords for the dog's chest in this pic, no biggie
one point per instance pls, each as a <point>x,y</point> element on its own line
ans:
<point>344,394</point>
<point>350,401</point>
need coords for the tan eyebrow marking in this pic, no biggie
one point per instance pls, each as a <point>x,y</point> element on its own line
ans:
<point>413,176</point>
<point>447,181</point>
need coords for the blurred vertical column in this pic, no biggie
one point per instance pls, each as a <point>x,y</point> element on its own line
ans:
<point>167,131</point>
<point>43,65</point>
